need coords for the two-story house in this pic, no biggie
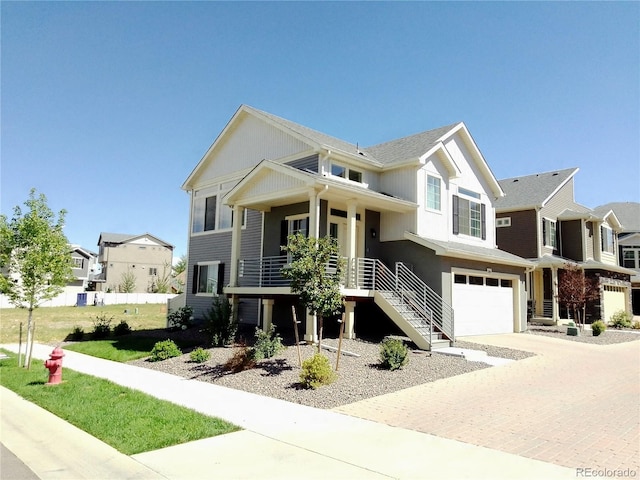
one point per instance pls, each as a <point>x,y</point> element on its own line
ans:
<point>84,264</point>
<point>628,242</point>
<point>414,219</point>
<point>538,219</point>
<point>144,259</point>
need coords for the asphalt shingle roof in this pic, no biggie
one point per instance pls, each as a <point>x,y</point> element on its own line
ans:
<point>531,190</point>
<point>408,147</point>
<point>384,153</point>
<point>627,212</point>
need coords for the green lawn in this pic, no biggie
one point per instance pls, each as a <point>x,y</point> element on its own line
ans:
<point>128,420</point>
<point>54,324</point>
<point>122,349</point>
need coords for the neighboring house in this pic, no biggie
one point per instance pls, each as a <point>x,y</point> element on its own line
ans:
<point>414,219</point>
<point>85,268</point>
<point>628,243</point>
<point>538,219</point>
<point>143,257</point>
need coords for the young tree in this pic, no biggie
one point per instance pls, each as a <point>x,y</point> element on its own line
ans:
<point>575,290</point>
<point>315,272</point>
<point>127,282</point>
<point>34,257</point>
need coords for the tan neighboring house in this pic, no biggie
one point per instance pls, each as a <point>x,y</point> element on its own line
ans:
<point>538,219</point>
<point>628,242</point>
<point>144,257</point>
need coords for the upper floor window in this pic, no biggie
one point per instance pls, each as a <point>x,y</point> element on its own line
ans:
<point>433,192</point>
<point>209,213</point>
<point>549,233</point>
<point>606,235</point>
<point>631,257</point>
<point>341,171</point>
<point>503,222</point>
<point>153,271</point>
<point>78,262</point>
<point>469,218</point>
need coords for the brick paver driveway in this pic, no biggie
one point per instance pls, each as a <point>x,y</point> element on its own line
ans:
<point>573,404</point>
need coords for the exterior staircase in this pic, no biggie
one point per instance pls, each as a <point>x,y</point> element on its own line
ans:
<point>414,307</point>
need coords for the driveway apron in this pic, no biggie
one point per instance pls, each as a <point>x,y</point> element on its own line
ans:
<point>573,404</point>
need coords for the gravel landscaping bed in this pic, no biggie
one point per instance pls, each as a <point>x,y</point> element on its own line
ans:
<point>359,377</point>
<point>608,337</point>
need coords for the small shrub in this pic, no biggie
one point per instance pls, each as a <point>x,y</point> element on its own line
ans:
<point>393,354</point>
<point>181,319</point>
<point>242,359</point>
<point>621,319</point>
<point>77,334</point>
<point>163,350</point>
<point>267,344</point>
<point>122,328</point>
<point>102,326</point>
<point>636,325</point>
<point>200,355</point>
<point>316,372</point>
<point>220,325</point>
<point>598,327</point>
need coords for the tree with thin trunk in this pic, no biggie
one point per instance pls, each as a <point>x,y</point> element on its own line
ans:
<point>315,272</point>
<point>127,282</point>
<point>575,290</point>
<point>35,257</point>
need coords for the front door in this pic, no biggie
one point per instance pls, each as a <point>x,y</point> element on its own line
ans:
<point>338,230</point>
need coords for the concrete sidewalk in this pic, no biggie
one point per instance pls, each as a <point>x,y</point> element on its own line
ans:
<point>281,440</point>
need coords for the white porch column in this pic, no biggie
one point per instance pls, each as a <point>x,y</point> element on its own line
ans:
<point>554,286</point>
<point>238,211</point>
<point>314,214</point>
<point>311,328</point>
<point>351,238</point>
<point>267,313</point>
<point>349,319</point>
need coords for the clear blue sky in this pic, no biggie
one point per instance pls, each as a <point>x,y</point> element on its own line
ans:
<point>108,106</point>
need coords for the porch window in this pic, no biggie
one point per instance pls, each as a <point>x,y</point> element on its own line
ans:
<point>208,278</point>
<point>433,192</point>
<point>606,235</point>
<point>549,233</point>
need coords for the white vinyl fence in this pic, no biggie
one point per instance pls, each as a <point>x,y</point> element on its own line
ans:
<point>70,299</point>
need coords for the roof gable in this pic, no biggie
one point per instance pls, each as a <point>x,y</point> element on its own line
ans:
<point>119,238</point>
<point>627,212</point>
<point>532,191</point>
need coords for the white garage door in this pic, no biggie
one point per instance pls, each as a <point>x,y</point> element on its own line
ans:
<point>613,299</point>
<point>482,305</point>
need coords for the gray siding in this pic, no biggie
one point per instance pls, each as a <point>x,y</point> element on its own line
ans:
<point>307,163</point>
<point>217,247</point>
<point>561,201</point>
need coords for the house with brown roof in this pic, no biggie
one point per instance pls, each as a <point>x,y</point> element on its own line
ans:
<point>538,219</point>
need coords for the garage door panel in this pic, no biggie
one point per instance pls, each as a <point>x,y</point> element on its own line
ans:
<point>482,309</point>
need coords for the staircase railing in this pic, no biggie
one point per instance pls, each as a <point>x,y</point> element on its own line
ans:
<point>423,299</point>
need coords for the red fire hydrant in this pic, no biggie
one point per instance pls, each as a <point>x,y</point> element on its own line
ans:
<point>54,364</point>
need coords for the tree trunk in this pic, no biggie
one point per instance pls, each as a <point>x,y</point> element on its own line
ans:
<point>28,348</point>
<point>320,325</point>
